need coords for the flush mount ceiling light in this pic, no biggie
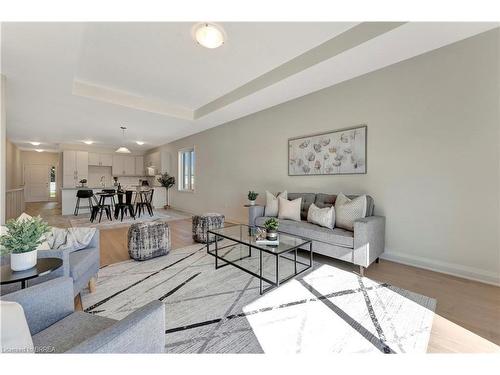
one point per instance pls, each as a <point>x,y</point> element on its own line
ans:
<point>123,149</point>
<point>39,150</point>
<point>208,35</point>
<point>88,142</point>
<point>35,143</point>
<point>140,143</point>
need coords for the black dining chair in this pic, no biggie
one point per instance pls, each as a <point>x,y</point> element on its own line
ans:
<point>121,207</point>
<point>144,202</point>
<point>110,191</point>
<point>83,194</point>
<point>103,206</point>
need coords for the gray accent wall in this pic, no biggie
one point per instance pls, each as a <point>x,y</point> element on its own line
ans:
<point>433,155</point>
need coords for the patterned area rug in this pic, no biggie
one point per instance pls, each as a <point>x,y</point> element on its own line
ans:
<point>324,310</point>
<point>83,220</point>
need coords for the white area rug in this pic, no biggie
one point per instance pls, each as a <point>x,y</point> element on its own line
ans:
<point>327,310</point>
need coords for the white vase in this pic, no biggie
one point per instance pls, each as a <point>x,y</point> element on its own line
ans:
<point>23,261</point>
<point>252,203</point>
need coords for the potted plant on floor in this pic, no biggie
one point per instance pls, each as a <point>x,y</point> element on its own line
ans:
<point>21,241</point>
<point>167,182</point>
<point>252,196</point>
<point>272,226</point>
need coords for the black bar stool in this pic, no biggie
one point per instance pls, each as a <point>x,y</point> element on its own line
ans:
<point>83,194</point>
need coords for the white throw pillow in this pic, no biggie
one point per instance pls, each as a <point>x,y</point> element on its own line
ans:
<point>272,203</point>
<point>24,216</point>
<point>349,210</point>
<point>16,337</point>
<point>289,209</point>
<point>324,217</point>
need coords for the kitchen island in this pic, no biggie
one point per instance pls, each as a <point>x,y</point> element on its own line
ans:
<point>68,198</point>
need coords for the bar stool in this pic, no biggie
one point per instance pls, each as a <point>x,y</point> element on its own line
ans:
<point>110,191</point>
<point>83,194</point>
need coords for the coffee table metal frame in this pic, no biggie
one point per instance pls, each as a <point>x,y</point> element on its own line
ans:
<point>261,248</point>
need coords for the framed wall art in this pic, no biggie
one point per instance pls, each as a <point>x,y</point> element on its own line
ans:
<point>337,152</point>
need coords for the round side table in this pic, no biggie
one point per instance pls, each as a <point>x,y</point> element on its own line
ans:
<point>44,266</point>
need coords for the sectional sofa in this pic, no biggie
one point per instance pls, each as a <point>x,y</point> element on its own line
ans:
<point>362,247</point>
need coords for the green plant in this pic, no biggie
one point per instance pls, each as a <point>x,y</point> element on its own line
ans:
<point>272,224</point>
<point>23,236</point>
<point>83,181</point>
<point>252,195</point>
<point>166,180</point>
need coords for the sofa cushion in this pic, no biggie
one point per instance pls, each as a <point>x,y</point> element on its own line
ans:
<point>272,205</point>
<point>289,209</point>
<point>82,261</point>
<point>307,199</point>
<point>325,200</point>
<point>347,211</point>
<point>324,217</point>
<point>71,331</point>
<point>336,236</point>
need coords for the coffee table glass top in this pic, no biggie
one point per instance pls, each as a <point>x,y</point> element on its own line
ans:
<point>245,234</point>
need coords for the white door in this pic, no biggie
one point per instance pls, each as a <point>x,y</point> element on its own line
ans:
<point>36,179</point>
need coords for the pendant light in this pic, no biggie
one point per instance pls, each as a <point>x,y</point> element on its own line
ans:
<point>123,149</point>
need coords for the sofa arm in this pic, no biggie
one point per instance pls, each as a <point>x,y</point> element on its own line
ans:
<point>143,331</point>
<point>253,213</point>
<point>369,239</point>
<point>46,303</point>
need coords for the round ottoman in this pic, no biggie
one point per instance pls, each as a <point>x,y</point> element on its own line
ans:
<point>148,240</point>
<point>204,223</point>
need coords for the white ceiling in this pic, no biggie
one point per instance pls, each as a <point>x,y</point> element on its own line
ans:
<point>160,63</point>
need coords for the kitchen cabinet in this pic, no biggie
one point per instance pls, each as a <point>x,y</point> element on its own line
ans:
<point>123,165</point>
<point>153,161</point>
<point>100,160</point>
<point>75,167</point>
<point>139,166</point>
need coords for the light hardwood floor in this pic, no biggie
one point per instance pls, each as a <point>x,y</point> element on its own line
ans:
<point>467,317</point>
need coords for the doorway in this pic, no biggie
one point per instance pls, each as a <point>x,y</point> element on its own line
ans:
<point>40,182</point>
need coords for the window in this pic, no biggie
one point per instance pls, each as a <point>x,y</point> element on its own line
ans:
<point>52,187</point>
<point>186,169</point>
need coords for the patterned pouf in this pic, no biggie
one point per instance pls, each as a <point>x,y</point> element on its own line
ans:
<point>148,240</point>
<point>204,223</point>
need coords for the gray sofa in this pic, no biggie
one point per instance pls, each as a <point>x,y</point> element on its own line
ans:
<point>362,247</point>
<point>81,265</point>
<point>56,328</point>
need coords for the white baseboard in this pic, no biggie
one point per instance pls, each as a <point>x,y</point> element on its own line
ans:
<point>466,272</point>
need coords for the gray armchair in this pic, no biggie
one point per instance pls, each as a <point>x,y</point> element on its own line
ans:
<point>56,328</point>
<point>81,265</point>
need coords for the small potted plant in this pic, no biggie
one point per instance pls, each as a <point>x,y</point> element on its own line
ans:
<point>167,182</point>
<point>83,182</point>
<point>21,241</point>
<point>252,196</point>
<point>272,226</point>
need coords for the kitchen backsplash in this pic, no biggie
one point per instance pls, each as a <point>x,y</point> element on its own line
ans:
<point>95,174</point>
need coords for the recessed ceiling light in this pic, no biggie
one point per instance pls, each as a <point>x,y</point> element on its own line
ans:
<point>39,150</point>
<point>88,142</point>
<point>208,35</point>
<point>140,143</point>
<point>35,143</point>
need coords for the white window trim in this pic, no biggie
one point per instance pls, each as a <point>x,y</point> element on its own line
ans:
<point>181,171</point>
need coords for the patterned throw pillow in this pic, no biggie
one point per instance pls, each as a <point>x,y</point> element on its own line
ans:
<point>324,217</point>
<point>289,209</point>
<point>348,210</point>
<point>272,203</point>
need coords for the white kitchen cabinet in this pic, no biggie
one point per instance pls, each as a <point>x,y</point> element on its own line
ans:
<point>75,167</point>
<point>139,166</point>
<point>153,161</point>
<point>100,160</point>
<point>123,165</point>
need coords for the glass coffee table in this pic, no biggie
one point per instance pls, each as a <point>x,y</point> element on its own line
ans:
<point>270,264</point>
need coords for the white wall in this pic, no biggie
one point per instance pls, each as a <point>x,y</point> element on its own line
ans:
<point>3,144</point>
<point>433,155</point>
